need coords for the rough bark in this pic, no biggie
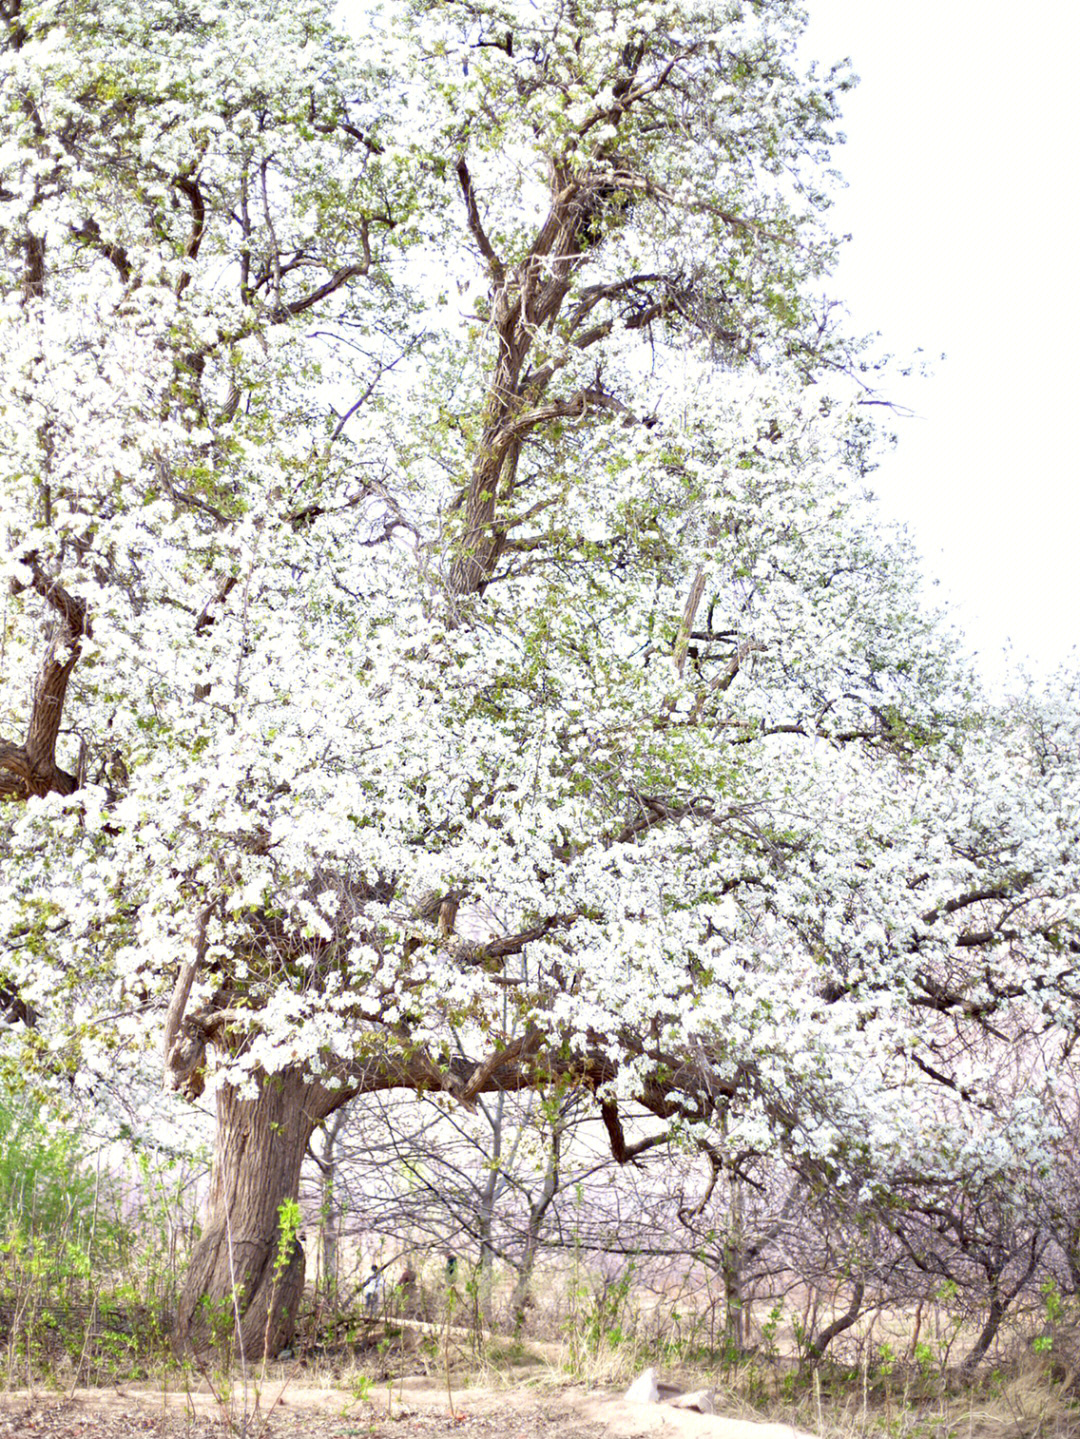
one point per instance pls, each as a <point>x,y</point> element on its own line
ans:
<point>243,1283</point>
<point>527,299</point>
<point>30,768</point>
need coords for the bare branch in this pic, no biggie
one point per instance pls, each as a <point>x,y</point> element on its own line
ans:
<point>498,949</point>
<point>622,1152</point>
<point>188,185</point>
<point>521,1048</point>
<point>336,281</point>
<point>495,265</point>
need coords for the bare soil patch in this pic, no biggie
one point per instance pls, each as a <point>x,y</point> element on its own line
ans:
<point>416,1408</point>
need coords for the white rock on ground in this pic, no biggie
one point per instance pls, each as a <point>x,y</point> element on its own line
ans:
<point>644,1389</point>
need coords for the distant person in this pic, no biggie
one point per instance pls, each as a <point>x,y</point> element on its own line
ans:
<point>372,1292</point>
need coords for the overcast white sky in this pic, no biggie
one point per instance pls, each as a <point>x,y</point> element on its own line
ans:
<point>963,203</point>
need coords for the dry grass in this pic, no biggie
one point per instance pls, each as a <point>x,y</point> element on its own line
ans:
<point>586,1332</point>
<point>1031,1399</point>
<point>602,1335</point>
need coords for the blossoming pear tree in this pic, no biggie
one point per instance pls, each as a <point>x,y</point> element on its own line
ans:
<point>447,646</point>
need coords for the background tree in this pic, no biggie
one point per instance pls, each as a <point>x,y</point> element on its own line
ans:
<point>495,1186</point>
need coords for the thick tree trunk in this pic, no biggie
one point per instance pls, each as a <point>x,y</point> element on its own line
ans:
<point>245,1283</point>
<point>734,1305</point>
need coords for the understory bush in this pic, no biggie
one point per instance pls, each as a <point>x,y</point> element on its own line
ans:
<point>89,1249</point>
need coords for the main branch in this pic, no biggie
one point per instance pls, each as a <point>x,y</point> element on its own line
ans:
<point>30,768</point>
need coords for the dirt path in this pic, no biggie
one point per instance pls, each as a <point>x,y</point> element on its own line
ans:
<point>415,1410</point>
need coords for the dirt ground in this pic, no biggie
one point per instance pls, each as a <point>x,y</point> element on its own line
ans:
<point>415,1410</point>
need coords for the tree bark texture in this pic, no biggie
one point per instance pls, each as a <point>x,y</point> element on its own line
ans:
<point>30,769</point>
<point>527,301</point>
<point>243,1282</point>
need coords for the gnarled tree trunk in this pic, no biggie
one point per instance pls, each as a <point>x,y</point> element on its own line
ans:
<point>246,1279</point>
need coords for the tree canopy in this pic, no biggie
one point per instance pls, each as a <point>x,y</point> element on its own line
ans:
<point>448,642</point>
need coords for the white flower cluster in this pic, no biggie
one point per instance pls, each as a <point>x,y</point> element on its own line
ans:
<point>696,740</point>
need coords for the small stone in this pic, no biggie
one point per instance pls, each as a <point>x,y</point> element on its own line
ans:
<point>644,1389</point>
<point>700,1399</point>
